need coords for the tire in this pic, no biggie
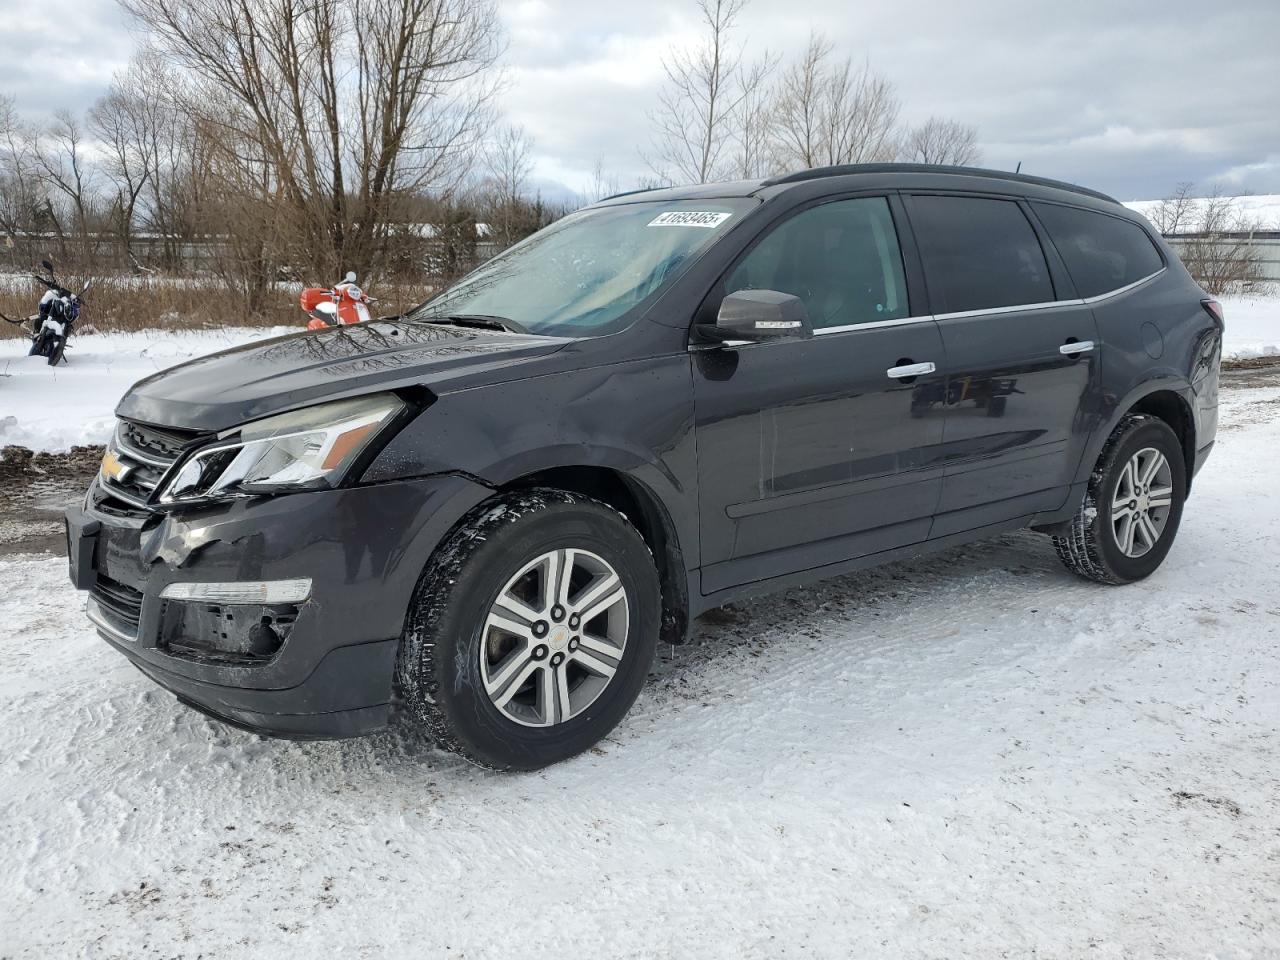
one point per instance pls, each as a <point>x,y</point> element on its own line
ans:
<point>451,644</point>
<point>1091,545</point>
<point>996,406</point>
<point>55,353</point>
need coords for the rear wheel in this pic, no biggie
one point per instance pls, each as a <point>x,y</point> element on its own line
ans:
<point>531,631</point>
<point>1131,511</point>
<point>56,348</point>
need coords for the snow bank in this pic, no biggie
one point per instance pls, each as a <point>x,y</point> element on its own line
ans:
<point>1253,327</point>
<point>56,408</point>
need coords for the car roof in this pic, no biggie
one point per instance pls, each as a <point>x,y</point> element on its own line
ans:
<point>916,176</point>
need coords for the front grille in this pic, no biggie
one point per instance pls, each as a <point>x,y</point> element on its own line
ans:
<point>120,602</point>
<point>147,452</point>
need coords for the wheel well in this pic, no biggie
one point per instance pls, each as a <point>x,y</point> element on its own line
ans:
<point>1173,410</point>
<point>644,511</point>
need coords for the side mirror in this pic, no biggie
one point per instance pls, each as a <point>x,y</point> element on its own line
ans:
<point>350,277</point>
<point>47,265</point>
<point>757,315</point>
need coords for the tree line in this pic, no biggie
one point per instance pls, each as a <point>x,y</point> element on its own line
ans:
<point>722,115</point>
<point>261,141</point>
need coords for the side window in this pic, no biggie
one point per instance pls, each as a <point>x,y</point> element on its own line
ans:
<point>841,258</point>
<point>1102,253</point>
<point>979,254</point>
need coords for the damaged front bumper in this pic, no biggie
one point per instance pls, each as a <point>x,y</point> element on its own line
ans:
<point>209,603</point>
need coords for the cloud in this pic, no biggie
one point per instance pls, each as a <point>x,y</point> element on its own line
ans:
<point>1130,97</point>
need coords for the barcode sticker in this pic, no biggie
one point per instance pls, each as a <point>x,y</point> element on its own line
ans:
<point>689,218</point>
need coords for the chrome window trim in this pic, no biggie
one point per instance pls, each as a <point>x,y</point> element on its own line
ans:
<point>871,325</point>
<point>961,314</point>
<point>1015,308</point>
<point>1098,298</point>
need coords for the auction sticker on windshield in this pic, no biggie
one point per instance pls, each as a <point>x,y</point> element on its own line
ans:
<point>689,218</point>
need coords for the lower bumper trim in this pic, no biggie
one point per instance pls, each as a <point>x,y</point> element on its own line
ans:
<point>98,617</point>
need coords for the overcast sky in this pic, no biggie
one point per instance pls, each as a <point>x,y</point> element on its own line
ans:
<point>1127,96</point>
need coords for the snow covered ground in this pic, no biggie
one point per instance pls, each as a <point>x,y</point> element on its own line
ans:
<point>54,409</point>
<point>974,754</point>
<point>1252,327</point>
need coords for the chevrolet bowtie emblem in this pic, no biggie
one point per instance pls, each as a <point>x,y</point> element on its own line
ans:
<point>113,468</point>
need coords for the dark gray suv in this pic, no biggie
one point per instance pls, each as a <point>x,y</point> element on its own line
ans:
<point>498,503</point>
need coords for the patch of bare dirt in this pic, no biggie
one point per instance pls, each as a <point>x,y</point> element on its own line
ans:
<point>35,489</point>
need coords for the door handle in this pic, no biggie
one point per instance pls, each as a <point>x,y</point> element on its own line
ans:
<point>1071,348</point>
<point>910,370</point>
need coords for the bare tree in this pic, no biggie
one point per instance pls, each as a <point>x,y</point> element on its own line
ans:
<point>17,194</point>
<point>1176,210</point>
<point>64,168</point>
<point>798,105</point>
<point>128,121</point>
<point>1214,238</point>
<point>329,111</point>
<point>941,141</point>
<point>603,184</point>
<point>753,126</point>
<point>508,161</point>
<point>699,104</point>
<point>826,112</point>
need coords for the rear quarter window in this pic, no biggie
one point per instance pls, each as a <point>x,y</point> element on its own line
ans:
<point>1102,253</point>
<point>979,254</point>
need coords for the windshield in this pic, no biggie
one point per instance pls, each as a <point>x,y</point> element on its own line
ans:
<point>582,274</point>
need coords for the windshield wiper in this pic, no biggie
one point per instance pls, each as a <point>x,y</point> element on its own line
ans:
<point>481,321</point>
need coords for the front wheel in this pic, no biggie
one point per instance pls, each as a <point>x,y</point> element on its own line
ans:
<point>531,631</point>
<point>1132,508</point>
<point>56,349</point>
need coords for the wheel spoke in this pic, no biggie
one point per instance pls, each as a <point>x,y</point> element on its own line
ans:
<point>1126,534</point>
<point>593,663</point>
<point>598,588</point>
<point>1124,486</point>
<point>1160,497</point>
<point>497,618</point>
<point>1120,509</point>
<point>513,608</point>
<point>603,603</point>
<point>1152,468</point>
<point>503,685</point>
<point>556,575</point>
<point>599,647</point>
<point>1149,531</point>
<point>553,695</point>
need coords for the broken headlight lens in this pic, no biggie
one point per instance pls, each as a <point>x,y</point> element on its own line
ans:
<point>309,449</point>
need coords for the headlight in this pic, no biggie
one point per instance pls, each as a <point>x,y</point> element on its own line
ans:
<point>309,449</point>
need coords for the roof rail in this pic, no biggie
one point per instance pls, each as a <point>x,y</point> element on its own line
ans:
<point>818,173</point>
<point>627,193</point>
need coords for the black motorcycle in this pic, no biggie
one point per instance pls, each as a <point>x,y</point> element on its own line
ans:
<point>59,308</point>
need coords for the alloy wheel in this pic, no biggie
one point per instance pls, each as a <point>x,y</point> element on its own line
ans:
<point>1142,501</point>
<point>554,637</point>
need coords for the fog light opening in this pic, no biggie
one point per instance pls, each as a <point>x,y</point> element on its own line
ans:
<point>267,592</point>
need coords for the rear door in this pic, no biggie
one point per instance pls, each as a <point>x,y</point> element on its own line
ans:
<point>1022,356</point>
<point>811,452</point>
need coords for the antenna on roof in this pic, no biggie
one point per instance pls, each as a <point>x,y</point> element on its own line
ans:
<point>1018,168</point>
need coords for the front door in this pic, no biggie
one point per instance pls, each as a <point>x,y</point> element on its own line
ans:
<point>1021,358</point>
<point>811,452</point>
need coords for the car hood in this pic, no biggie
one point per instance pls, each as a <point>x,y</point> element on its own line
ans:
<point>224,389</point>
